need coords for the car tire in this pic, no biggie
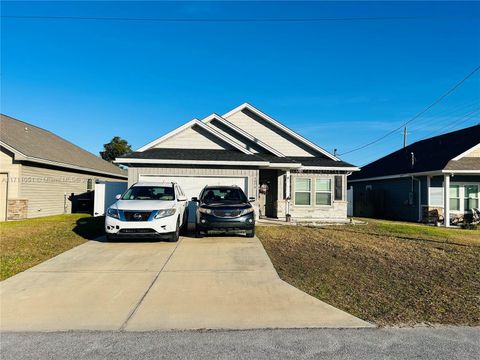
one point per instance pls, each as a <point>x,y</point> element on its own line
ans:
<point>251,233</point>
<point>198,233</point>
<point>184,228</point>
<point>175,235</point>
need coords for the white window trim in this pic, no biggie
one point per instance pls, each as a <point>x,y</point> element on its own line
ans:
<point>324,192</point>
<point>313,192</point>
<point>309,192</point>
<point>462,196</point>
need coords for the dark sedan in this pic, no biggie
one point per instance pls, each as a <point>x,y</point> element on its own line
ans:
<point>224,208</point>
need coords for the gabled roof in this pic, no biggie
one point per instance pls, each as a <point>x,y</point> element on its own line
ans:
<point>190,124</point>
<point>247,106</point>
<point>243,133</point>
<point>31,143</point>
<point>429,155</point>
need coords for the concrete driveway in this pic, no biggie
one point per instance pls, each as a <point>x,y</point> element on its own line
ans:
<point>213,283</point>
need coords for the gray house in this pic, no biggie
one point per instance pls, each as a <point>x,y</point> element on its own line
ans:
<point>39,171</point>
<point>285,172</point>
<point>437,177</point>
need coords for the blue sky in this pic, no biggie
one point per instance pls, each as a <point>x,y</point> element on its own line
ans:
<point>338,83</point>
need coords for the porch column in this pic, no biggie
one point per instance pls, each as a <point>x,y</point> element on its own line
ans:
<point>287,192</point>
<point>446,199</point>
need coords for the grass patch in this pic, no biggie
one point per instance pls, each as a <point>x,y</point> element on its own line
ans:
<point>385,272</point>
<point>26,243</point>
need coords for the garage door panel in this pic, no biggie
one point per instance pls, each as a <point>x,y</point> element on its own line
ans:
<point>193,185</point>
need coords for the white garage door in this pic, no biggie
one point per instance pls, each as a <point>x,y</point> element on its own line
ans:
<point>193,185</point>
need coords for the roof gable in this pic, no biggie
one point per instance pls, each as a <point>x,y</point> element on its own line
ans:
<point>32,143</point>
<point>273,133</point>
<point>234,132</point>
<point>195,135</point>
<point>427,155</point>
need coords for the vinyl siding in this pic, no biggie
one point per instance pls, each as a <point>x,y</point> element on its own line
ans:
<point>45,189</point>
<point>194,138</point>
<point>234,136</point>
<point>268,134</point>
<point>13,171</point>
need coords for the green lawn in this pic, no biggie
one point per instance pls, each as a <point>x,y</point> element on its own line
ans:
<point>26,243</point>
<point>390,273</point>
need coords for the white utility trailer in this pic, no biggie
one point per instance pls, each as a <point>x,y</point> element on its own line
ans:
<point>105,192</point>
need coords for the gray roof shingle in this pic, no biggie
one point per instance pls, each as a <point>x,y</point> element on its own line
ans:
<point>35,142</point>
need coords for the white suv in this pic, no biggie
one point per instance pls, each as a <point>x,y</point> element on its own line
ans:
<point>147,210</point>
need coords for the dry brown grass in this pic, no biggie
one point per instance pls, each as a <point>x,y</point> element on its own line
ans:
<point>26,243</point>
<point>381,273</point>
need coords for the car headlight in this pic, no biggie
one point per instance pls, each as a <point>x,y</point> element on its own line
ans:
<point>205,211</point>
<point>246,211</point>
<point>113,213</point>
<point>165,212</point>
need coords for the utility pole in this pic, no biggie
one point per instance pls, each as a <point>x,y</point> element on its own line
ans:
<point>404,136</point>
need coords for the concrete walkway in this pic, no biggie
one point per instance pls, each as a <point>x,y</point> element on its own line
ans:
<point>213,283</point>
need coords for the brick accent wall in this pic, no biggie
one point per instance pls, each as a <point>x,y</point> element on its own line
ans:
<point>17,209</point>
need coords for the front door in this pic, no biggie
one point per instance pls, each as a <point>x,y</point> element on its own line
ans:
<point>268,193</point>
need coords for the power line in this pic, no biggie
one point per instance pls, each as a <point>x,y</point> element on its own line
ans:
<point>417,115</point>
<point>238,20</point>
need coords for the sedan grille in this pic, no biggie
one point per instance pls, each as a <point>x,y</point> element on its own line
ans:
<point>137,231</point>
<point>137,215</point>
<point>227,213</point>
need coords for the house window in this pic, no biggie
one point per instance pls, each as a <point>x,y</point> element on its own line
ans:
<point>338,187</point>
<point>323,192</point>
<point>302,191</point>
<point>471,197</point>
<point>455,197</point>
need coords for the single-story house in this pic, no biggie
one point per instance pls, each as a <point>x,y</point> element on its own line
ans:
<point>39,171</point>
<point>409,184</point>
<point>286,173</point>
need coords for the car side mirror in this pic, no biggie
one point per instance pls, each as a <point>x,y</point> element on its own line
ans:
<point>118,196</point>
<point>195,199</point>
<point>182,198</point>
<point>251,199</point>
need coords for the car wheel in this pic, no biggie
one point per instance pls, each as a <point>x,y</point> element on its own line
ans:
<point>251,233</point>
<point>175,235</point>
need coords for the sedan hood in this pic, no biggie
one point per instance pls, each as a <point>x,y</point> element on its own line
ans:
<point>143,204</point>
<point>220,205</point>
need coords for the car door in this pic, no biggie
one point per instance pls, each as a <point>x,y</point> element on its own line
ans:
<point>181,205</point>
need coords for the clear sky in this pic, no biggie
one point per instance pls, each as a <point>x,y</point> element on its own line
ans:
<point>339,83</point>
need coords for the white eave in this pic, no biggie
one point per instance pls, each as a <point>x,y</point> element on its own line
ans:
<point>189,162</point>
<point>330,168</point>
<point>280,126</point>
<point>190,124</point>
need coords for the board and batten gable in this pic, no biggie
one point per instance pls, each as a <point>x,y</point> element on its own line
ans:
<point>234,136</point>
<point>474,153</point>
<point>194,138</point>
<point>269,134</point>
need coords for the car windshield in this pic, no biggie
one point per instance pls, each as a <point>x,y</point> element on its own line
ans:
<point>165,193</point>
<point>223,195</point>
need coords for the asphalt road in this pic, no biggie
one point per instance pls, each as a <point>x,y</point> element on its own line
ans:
<point>405,343</point>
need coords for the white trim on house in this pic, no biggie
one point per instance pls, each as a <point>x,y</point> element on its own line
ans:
<point>22,157</point>
<point>431,173</point>
<point>190,124</point>
<point>227,123</point>
<point>280,126</point>
<point>463,172</point>
<point>465,153</point>
<point>341,168</point>
<point>189,162</point>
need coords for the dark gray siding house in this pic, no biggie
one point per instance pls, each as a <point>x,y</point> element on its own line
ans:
<point>39,171</point>
<point>409,184</point>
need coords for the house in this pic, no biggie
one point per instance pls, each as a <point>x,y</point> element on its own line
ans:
<point>286,173</point>
<point>409,184</point>
<point>39,171</point>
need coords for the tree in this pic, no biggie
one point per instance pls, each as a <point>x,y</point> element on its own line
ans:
<point>115,148</point>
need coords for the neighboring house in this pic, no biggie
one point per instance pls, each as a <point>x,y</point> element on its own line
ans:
<point>39,171</point>
<point>285,172</point>
<point>409,184</point>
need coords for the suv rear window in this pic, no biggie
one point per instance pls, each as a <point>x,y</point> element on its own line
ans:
<point>230,195</point>
<point>149,193</point>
